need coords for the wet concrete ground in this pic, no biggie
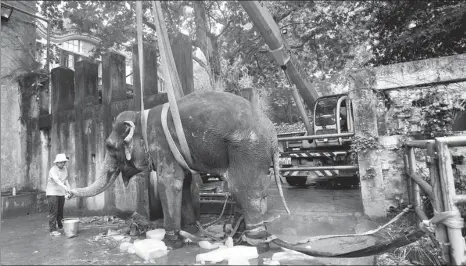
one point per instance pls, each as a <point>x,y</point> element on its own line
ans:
<point>25,240</point>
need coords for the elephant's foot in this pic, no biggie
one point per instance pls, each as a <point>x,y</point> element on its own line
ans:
<point>173,240</point>
<point>191,228</point>
<point>262,244</point>
<point>258,238</point>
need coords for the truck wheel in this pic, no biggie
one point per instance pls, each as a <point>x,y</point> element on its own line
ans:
<point>296,180</point>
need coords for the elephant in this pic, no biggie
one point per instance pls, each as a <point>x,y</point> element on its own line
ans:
<point>226,135</point>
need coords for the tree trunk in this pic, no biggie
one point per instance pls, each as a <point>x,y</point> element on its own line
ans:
<point>207,42</point>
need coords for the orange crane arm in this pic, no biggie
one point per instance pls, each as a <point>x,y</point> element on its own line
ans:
<point>268,28</point>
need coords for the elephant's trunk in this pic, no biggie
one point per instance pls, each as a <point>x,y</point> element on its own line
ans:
<point>276,171</point>
<point>107,177</point>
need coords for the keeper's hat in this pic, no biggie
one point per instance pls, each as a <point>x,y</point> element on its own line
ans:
<point>61,157</point>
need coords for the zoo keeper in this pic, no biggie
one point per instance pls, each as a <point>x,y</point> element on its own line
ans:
<point>57,187</point>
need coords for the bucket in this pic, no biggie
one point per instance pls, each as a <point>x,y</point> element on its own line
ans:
<point>70,226</point>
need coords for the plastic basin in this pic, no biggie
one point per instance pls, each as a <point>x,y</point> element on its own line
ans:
<point>70,226</point>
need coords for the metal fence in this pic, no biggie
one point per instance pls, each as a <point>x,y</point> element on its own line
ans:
<point>441,192</point>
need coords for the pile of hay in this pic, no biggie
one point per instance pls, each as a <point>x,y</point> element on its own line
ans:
<point>138,225</point>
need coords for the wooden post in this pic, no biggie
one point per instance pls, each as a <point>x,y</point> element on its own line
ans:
<point>62,79</point>
<point>44,97</point>
<point>408,180</point>
<point>183,56</point>
<point>113,89</point>
<point>150,75</point>
<point>415,192</point>
<point>365,125</point>
<point>441,231</point>
<point>457,244</point>
<point>62,89</point>
<point>150,88</point>
<point>87,94</point>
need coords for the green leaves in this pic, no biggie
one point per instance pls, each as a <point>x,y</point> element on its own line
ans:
<point>438,31</point>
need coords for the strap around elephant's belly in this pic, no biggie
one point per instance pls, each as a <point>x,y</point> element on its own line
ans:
<point>171,143</point>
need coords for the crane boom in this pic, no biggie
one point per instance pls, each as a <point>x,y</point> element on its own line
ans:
<point>268,28</point>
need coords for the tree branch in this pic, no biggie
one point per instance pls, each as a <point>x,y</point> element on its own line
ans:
<point>224,29</point>
<point>149,24</point>
<point>199,61</point>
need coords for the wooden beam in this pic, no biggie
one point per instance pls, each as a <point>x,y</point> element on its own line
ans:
<point>442,70</point>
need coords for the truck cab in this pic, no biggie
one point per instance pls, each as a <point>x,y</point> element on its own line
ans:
<point>332,115</point>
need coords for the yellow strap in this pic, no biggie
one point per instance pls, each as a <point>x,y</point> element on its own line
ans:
<point>171,77</point>
<point>171,143</point>
<point>141,70</point>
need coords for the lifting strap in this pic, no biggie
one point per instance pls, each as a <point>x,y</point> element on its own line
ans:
<point>174,90</point>
<point>171,143</point>
<point>141,73</point>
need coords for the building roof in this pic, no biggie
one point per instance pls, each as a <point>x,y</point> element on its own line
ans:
<point>60,37</point>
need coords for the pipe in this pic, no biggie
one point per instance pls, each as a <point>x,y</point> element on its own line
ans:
<point>323,136</point>
<point>313,168</point>
<point>337,117</point>
<point>459,199</point>
<point>426,187</point>
<point>437,202</point>
<point>452,141</point>
<point>301,133</point>
<point>422,144</point>
<point>448,195</point>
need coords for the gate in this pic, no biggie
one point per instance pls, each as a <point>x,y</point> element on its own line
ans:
<point>441,192</point>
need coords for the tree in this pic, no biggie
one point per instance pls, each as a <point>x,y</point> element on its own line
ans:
<point>413,30</point>
<point>322,35</point>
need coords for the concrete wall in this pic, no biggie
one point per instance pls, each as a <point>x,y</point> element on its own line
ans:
<point>399,119</point>
<point>402,117</point>
<point>17,45</point>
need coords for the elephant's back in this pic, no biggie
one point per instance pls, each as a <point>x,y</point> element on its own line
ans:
<point>227,116</point>
<point>218,111</point>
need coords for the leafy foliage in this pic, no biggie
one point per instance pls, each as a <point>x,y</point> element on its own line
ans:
<point>414,30</point>
<point>327,37</point>
<point>438,112</point>
<point>364,143</point>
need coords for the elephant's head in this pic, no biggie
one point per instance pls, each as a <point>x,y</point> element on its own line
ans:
<point>125,153</point>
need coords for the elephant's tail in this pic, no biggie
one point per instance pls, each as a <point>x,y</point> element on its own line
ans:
<point>276,172</point>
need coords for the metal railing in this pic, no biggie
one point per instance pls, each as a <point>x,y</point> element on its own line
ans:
<point>323,136</point>
<point>441,192</point>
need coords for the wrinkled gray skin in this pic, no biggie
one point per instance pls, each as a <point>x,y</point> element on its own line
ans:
<point>226,136</point>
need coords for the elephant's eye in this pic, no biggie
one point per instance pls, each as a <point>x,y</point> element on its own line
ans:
<point>111,148</point>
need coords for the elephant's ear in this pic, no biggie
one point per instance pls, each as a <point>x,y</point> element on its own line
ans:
<point>128,139</point>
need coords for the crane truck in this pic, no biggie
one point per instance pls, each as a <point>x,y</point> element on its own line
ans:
<point>320,155</point>
<point>327,142</point>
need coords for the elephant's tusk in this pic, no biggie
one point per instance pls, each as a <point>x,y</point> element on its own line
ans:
<point>131,131</point>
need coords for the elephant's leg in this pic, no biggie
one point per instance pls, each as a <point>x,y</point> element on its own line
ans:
<point>195,198</point>
<point>188,212</point>
<point>248,180</point>
<point>170,186</point>
<point>155,206</point>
